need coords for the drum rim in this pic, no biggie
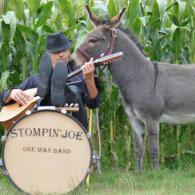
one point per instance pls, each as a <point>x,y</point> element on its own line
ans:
<point>33,112</point>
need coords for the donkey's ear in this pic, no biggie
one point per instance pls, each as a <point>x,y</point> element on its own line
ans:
<point>115,21</point>
<point>94,19</point>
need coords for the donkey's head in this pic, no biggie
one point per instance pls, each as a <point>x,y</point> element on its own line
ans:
<point>100,41</point>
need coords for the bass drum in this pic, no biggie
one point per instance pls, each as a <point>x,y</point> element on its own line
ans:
<point>47,152</point>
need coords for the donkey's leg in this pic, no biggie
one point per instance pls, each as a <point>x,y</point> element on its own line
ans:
<point>152,127</point>
<point>138,139</point>
<point>138,135</point>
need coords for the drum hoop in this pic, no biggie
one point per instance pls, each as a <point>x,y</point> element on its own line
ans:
<point>33,112</point>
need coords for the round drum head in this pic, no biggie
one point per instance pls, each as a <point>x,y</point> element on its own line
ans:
<point>47,152</point>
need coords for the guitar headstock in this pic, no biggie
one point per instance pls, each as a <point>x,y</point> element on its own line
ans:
<point>109,58</point>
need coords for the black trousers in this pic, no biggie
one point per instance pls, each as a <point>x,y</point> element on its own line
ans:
<point>72,95</point>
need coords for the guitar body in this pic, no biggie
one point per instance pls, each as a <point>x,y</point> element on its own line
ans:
<point>11,113</point>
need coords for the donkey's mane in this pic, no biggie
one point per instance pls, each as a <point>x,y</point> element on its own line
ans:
<point>128,32</point>
<point>135,40</point>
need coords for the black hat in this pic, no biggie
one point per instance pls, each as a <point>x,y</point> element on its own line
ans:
<point>57,42</point>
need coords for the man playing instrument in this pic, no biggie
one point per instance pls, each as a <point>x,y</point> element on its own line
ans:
<point>54,86</point>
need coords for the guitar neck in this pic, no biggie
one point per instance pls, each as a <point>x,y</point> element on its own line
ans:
<point>103,60</point>
<point>77,71</point>
<point>74,72</point>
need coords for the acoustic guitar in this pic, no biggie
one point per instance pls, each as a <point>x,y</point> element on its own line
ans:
<point>11,113</point>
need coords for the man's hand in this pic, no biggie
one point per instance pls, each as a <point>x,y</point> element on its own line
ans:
<point>88,75</point>
<point>21,97</point>
<point>88,70</point>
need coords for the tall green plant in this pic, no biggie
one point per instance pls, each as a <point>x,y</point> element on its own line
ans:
<point>165,28</point>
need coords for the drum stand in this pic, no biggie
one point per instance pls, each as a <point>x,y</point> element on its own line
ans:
<point>2,168</point>
<point>96,162</point>
<point>1,164</point>
<point>96,157</point>
<point>1,161</point>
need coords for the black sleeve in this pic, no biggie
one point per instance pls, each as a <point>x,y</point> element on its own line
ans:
<point>29,83</point>
<point>92,103</point>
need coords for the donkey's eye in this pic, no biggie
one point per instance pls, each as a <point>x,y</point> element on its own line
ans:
<point>93,40</point>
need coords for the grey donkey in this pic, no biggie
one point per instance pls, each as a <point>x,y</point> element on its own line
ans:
<point>151,92</point>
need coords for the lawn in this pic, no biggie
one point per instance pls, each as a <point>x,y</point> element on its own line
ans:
<point>163,182</point>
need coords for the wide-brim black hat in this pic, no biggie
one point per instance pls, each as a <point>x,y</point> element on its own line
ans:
<point>57,42</point>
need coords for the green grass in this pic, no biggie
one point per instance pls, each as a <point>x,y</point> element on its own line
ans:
<point>163,182</point>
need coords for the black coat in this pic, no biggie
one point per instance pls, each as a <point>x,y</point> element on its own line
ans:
<point>77,80</point>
